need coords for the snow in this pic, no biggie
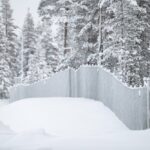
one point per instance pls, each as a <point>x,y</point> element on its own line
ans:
<point>60,117</point>
<point>133,2</point>
<point>128,141</point>
<point>102,2</point>
<point>3,103</point>
<point>65,124</point>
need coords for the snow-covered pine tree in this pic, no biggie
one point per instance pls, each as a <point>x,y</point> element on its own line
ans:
<point>65,14</point>
<point>77,17</point>
<point>67,24</point>
<point>123,41</point>
<point>88,34</point>
<point>107,56</point>
<point>52,37</point>
<point>43,70</point>
<point>145,37</point>
<point>11,37</point>
<point>47,8</point>
<point>5,72</point>
<point>18,58</point>
<point>32,73</point>
<point>51,49</point>
<point>29,44</point>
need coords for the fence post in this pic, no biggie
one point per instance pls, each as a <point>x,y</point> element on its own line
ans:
<point>70,83</point>
<point>147,82</point>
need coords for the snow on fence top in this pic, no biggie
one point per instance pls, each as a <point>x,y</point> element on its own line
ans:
<point>75,70</point>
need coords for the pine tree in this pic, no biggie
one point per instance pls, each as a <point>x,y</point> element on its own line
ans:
<point>51,49</point>
<point>145,37</point>
<point>52,41</point>
<point>29,43</point>
<point>43,70</point>
<point>5,79</point>
<point>32,73</point>
<point>10,35</point>
<point>18,57</point>
<point>65,14</point>
<point>88,34</point>
<point>122,41</point>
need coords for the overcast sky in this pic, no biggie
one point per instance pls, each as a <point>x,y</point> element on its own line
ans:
<point>20,8</point>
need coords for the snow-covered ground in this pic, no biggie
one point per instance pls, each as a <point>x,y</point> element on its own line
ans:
<point>65,124</point>
<point>3,103</point>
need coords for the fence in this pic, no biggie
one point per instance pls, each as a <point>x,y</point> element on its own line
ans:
<point>130,105</point>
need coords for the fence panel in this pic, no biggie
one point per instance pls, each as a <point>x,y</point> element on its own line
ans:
<point>55,86</point>
<point>128,104</point>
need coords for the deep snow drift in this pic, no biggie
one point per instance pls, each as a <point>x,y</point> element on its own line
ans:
<point>65,124</point>
<point>61,117</point>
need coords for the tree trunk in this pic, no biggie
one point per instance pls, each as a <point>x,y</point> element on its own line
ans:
<point>65,37</point>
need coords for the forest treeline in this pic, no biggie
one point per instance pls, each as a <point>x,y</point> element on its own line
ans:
<point>114,34</point>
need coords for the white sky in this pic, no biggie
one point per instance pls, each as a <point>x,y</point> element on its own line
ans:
<point>20,8</point>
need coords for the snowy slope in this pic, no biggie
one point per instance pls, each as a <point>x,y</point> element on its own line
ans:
<point>65,124</point>
<point>3,103</point>
<point>130,140</point>
<point>61,117</point>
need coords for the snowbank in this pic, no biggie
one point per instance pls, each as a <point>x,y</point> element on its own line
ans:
<point>61,117</point>
<point>3,103</point>
<point>66,124</point>
<point>120,141</point>
<point>5,129</point>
